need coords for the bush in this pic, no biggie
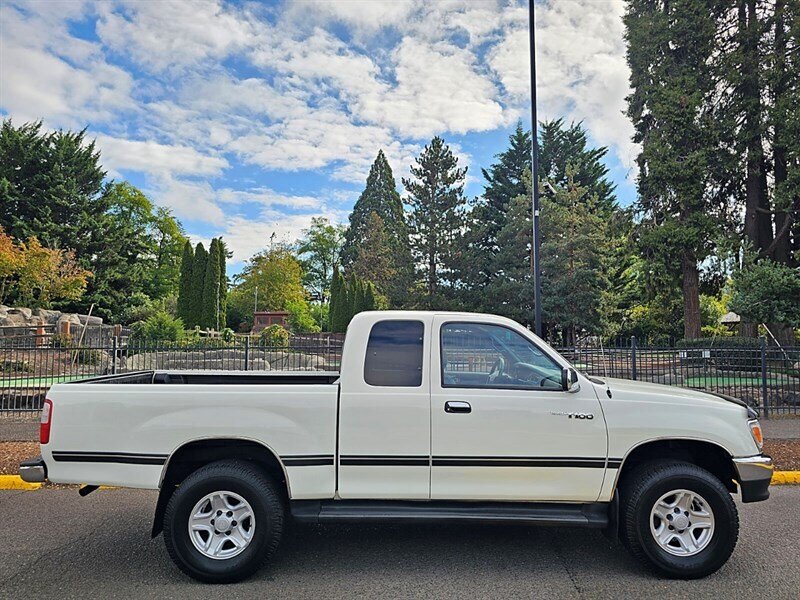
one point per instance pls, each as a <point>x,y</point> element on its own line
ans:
<point>160,327</point>
<point>274,335</point>
<point>89,356</point>
<point>300,318</point>
<point>734,341</point>
<point>227,335</point>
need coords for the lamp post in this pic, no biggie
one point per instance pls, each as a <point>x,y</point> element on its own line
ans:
<point>535,250</point>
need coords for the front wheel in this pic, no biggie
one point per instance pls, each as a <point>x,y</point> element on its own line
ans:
<point>679,519</point>
<point>223,522</point>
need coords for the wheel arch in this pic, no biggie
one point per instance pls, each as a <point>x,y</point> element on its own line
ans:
<point>706,454</point>
<point>193,454</point>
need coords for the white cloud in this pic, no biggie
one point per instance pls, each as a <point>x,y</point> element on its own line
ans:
<point>174,33</point>
<point>246,235</point>
<point>157,159</point>
<point>189,200</point>
<point>47,74</point>
<point>582,73</point>
<point>268,197</point>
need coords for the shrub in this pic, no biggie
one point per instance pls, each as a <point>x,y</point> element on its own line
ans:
<point>300,318</point>
<point>160,327</point>
<point>227,335</point>
<point>274,335</point>
<point>89,356</point>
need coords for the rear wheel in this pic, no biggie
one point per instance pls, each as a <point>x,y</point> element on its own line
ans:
<point>679,519</point>
<point>223,522</point>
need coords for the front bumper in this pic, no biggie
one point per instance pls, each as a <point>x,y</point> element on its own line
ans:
<point>754,476</point>
<point>33,470</point>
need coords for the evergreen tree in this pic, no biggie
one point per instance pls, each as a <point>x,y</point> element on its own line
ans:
<point>671,44</point>
<point>209,314</point>
<point>565,149</point>
<point>380,196</point>
<point>436,199</point>
<point>198,286</point>
<point>185,287</point>
<point>336,298</point>
<point>374,260</point>
<point>223,282</point>
<point>370,301</point>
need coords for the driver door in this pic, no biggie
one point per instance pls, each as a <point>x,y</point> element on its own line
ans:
<point>509,436</point>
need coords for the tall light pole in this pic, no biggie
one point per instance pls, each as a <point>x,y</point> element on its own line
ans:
<point>536,246</point>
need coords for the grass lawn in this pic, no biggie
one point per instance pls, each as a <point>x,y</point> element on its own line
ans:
<point>704,380</point>
<point>33,382</point>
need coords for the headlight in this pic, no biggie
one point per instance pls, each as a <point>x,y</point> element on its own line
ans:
<point>755,431</point>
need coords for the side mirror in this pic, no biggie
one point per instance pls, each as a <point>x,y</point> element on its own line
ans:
<point>569,380</point>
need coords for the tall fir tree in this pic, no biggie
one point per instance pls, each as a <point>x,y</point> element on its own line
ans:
<point>222,249</point>
<point>209,315</point>
<point>504,182</point>
<point>198,286</point>
<point>671,44</point>
<point>185,286</point>
<point>380,196</point>
<point>436,200</point>
<point>374,260</point>
<point>335,299</point>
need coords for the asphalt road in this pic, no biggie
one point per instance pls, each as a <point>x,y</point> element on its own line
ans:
<point>56,544</point>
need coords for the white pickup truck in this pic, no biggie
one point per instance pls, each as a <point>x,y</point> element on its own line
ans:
<point>434,416</point>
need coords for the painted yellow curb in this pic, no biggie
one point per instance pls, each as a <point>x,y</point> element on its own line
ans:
<point>786,477</point>
<point>14,482</point>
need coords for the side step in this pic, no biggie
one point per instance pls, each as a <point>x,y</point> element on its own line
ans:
<point>367,511</point>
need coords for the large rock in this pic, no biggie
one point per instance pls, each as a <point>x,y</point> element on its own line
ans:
<point>26,313</point>
<point>72,319</point>
<point>49,316</point>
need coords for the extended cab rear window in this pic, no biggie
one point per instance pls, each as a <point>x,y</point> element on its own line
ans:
<point>394,354</point>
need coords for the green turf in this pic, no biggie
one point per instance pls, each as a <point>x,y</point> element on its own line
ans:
<point>713,380</point>
<point>34,382</point>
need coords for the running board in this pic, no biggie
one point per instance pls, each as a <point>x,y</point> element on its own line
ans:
<point>366,511</point>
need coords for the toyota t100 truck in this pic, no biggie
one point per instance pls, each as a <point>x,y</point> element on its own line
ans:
<point>434,416</point>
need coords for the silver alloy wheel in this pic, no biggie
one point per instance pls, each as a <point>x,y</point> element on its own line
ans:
<point>221,525</point>
<point>682,523</point>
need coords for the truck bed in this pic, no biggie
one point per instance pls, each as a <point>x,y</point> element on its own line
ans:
<point>125,432</point>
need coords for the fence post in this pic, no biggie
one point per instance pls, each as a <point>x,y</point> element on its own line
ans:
<point>114,346</point>
<point>633,358</point>
<point>247,353</point>
<point>764,396</point>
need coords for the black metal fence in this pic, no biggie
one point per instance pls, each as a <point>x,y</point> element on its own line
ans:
<point>28,370</point>
<point>764,376</point>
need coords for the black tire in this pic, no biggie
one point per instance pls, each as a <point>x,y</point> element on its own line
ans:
<point>249,482</point>
<point>643,488</point>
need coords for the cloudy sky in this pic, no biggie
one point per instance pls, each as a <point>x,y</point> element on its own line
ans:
<point>247,118</point>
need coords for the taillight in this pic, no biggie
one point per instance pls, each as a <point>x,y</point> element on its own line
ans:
<point>44,423</point>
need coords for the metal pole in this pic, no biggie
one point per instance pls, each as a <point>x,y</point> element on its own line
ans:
<point>634,373</point>
<point>537,274</point>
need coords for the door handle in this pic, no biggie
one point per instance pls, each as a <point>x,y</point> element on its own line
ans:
<point>457,406</point>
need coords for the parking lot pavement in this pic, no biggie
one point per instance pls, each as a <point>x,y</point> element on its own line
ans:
<point>56,544</point>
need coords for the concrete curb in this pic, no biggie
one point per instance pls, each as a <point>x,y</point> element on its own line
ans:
<point>786,478</point>
<point>14,482</point>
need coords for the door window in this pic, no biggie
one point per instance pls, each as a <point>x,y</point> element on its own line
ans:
<point>394,354</point>
<point>479,355</point>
